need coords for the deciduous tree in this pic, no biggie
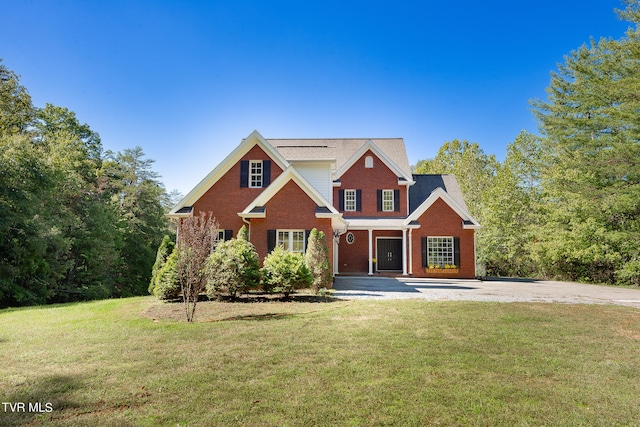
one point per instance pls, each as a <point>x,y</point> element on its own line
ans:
<point>196,237</point>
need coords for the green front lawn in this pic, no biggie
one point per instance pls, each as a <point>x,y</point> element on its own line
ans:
<point>118,362</point>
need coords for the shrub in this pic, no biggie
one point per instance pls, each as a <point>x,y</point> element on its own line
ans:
<point>243,234</point>
<point>232,268</point>
<point>317,259</point>
<point>167,285</point>
<point>164,250</point>
<point>285,272</point>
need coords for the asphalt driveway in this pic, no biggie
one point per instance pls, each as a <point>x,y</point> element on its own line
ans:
<point>500,290</point>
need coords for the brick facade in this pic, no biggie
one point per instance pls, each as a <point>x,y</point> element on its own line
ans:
<point>441,221</point>
<point>291,209</point>
<point>369,180</point>
<point>225,198</point>
<point>354,257</point>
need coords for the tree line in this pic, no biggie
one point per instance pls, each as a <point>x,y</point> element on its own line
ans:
<point>76,222</point>
<point>564,204</point>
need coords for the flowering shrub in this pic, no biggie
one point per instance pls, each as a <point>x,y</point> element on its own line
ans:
<point>446,266</point>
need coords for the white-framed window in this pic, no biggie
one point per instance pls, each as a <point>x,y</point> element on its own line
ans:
<point>349,200</point>
<point>387,200</point>
<point>350,238</point>
<point>368,162</point>
<point>440,251</point>
<point>255,173</point>
<point>219,237</point>
<point>291,240</point>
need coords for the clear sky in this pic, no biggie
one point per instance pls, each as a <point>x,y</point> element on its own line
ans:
<point>187,80</point>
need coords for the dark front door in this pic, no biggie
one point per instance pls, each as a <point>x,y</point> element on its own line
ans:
<point>389,254</point>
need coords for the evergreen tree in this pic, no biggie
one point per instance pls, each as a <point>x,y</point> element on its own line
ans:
<point>317,259</point>
<point>166,248</point>
<point>591,124</point>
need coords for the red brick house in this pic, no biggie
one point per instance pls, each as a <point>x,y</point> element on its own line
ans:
<point>377,215</point>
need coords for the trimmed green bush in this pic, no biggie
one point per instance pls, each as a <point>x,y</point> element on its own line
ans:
<point>164,250</point>
<point>167,285</point>
<point>284,272</point>
<point>232,269</point>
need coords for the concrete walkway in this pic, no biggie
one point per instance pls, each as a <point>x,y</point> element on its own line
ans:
<point>500,290</point>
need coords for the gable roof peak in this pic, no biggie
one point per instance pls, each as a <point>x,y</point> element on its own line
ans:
<point>253,139</point>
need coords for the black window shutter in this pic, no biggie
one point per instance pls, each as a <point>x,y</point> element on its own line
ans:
<point>456,251</point>
<point>340,200</point>
<point>271,240</point>
<point>306,239</point>
<point>359,200</point>
<point>228,234</point>
<point>396,200</point>
<point>424,252</point>
<point>244,173</point>
<point>379,197</point>
<point>266,173</point>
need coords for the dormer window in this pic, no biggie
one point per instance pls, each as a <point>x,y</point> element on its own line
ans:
<point>368,162</point>
<point>255,174</point>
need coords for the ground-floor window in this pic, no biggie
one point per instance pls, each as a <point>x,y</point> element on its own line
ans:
<point>291,240</point>
<point>440,251</point>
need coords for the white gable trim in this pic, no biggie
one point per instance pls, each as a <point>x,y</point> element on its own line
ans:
<point>247,144</point>
<point>439,193</point>
<point>369,145</point>
<point>290,174</point>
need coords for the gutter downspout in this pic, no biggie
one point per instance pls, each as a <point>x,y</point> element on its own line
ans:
<point>249,223</point>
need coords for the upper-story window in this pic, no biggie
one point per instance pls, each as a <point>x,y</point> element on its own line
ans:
<point>387,201</point>
<point>350,200</point>
<point>368,162</point>
<point>255,173</point>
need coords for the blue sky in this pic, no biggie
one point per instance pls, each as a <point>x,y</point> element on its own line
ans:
<point>187,80</point>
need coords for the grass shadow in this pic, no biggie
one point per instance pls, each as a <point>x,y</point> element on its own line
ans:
<point>258,317</point>
<point>40,400</point>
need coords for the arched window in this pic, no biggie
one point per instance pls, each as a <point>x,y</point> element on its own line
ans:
<point>368,162</point>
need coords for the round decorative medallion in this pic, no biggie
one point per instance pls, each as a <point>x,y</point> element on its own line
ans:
<point>350,238</point>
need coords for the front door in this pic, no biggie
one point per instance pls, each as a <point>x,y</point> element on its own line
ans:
<point>389,254</point>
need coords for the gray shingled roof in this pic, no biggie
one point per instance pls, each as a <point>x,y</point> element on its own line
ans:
<point>425,184</point>
<point>340,149</point>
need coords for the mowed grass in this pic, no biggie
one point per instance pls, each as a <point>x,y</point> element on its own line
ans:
<point>336,363</point>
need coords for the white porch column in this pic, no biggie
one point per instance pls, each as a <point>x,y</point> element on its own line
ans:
<point>411,251</point>
<point>404,251</point>
<point>370,252</point>
<point>335,255</point>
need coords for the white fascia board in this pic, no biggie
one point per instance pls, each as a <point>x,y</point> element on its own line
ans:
<point>471,226</point>
<point>407,183</point>
<point>177,215</point>
<point>253,214</point>
<point>289,174</point>
<point>223,167</point>
<point>369,145</point>
<point>439,193</point>
<point>328,215</point>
